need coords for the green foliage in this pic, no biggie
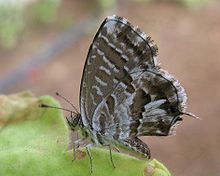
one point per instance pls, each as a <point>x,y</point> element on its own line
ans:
<point>34,142</point>
<point>195,3</point>
<point>13,18</point>
<point>45,10</point>
<point>187,3</point>
<point>107,3</point>
<point>11,25</point>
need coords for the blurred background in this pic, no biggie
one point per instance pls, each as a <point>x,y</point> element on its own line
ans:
<point>44,44</point>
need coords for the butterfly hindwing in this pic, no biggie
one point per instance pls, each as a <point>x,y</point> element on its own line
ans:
<point>162,103</point>
<point>153,108</point>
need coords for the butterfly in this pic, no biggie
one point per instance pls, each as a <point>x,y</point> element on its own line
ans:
<point>124,94</point>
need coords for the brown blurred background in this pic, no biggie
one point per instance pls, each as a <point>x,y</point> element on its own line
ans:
<point>44,45</point>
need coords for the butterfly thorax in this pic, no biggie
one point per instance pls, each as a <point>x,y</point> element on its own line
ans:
<point>76,124</point>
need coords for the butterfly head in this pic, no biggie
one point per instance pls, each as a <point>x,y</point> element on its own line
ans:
<point>74,121</point>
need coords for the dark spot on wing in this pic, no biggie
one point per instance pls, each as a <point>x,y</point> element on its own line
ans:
<point>110,104</point>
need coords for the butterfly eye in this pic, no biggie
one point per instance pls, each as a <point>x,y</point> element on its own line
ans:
<point>75,122</point>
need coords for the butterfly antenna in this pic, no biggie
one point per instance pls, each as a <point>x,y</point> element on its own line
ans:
<point>54,107</point>
<point>191,115</point>
<point>64,98</point>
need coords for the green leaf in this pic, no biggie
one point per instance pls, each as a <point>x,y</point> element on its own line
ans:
<point>34,141</point>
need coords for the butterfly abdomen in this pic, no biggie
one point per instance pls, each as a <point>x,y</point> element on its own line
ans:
<point>135,146</point>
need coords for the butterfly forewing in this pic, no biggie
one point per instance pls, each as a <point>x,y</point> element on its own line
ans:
<point>117,50</point>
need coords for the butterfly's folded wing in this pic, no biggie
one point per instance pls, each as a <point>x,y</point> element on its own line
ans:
<point>117,49</point>
<point>123,92</point>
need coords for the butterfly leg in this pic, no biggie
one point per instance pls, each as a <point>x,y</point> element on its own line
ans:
<point>74,151</point>
<point>110,154</point>
<point>76,145</point>
<point>88,147</point>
